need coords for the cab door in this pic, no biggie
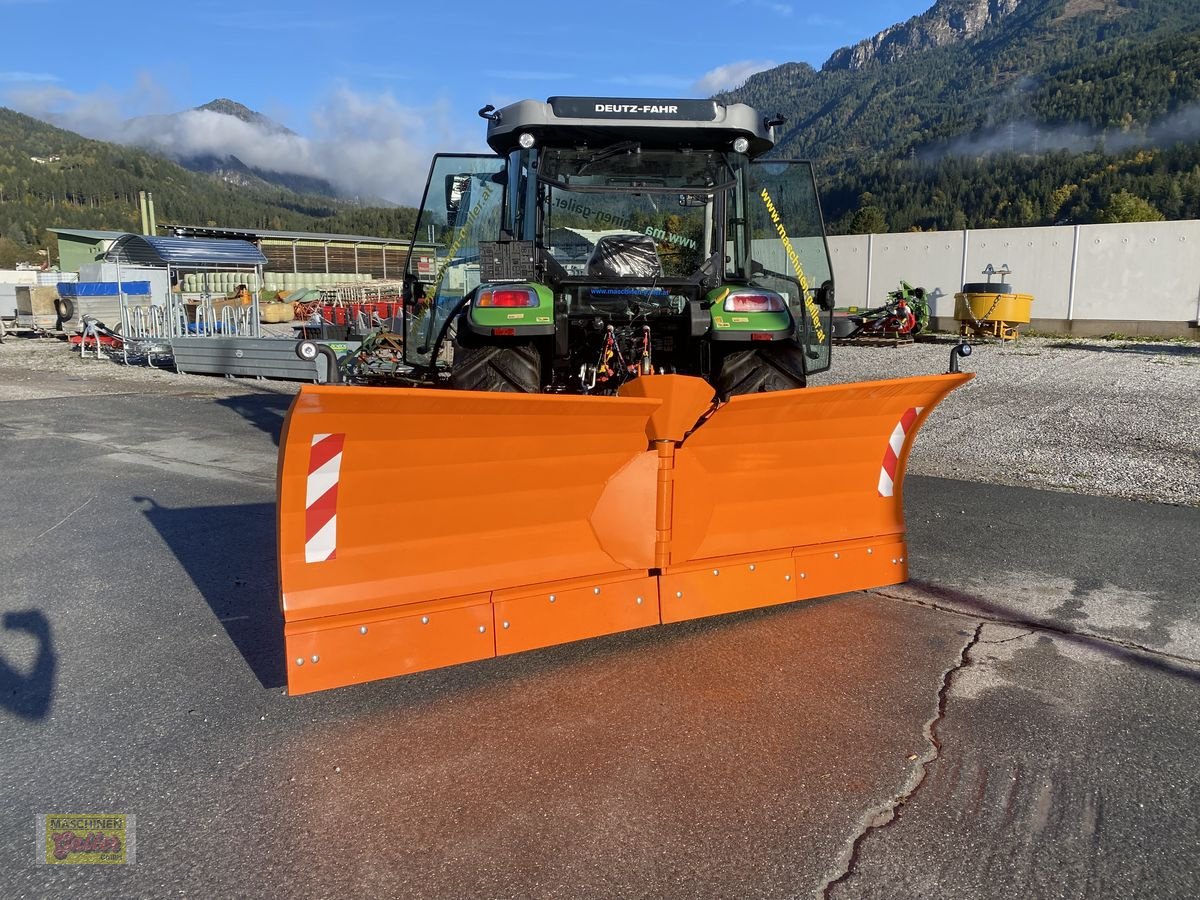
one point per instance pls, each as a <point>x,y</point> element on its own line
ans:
<point>463,204</point>
<point>788,251</point>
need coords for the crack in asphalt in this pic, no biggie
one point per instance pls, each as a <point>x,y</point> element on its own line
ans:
<point>1017,637</point>
<point>1034,625</point>
<point>886,813</point>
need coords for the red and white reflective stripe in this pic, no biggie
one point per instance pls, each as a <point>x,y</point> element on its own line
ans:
<point>320,498</point>
<point>891,456</point>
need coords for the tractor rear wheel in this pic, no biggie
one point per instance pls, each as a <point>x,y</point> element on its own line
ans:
<point>515,369</point>
<point>776,367</point>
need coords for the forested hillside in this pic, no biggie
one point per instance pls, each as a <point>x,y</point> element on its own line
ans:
<point>50,177</point>
<point>1062,111</point>
<point>977,113</point>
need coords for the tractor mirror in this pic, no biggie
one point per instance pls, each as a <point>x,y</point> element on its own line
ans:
<point>457,187</point>
<point>825,295</point>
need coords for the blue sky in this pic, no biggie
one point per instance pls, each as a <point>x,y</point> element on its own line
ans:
<point>398,79</point>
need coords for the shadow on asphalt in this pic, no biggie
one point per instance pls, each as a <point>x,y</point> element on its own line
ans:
<point>29,694</point>
<point>230,554</point>
<point>264,411</point>
<point>1151,348</point>
<point>986,609</point>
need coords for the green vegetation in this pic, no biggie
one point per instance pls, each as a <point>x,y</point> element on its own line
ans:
<point>54,178</point>
<point>1064,112</point>
<point>1010,190</point>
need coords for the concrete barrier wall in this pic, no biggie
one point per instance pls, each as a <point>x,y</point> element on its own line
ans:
<point>1135,278</point>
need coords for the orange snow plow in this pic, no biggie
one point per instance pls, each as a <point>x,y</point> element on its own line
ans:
<point>423,528</point>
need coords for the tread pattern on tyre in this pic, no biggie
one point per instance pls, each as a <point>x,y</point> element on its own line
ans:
<point>514,369</point>
<point>982,287</point>
<point>778,367</point>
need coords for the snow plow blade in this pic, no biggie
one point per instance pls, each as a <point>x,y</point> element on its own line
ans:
<point>423,528</point>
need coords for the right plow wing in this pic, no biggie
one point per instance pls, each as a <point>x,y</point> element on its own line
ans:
<point>423,528</point>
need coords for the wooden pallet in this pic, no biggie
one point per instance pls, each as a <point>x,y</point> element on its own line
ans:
<point>995,328</point>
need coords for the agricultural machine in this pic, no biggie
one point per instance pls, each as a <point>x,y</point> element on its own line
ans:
<point>600,424</point>
<point>905,313</point>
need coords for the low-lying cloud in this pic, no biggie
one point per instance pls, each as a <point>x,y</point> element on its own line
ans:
<point>729,76</point>
<point>366,146</point>
<point>1031,138</point>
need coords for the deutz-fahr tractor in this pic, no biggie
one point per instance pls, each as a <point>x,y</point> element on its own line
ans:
<point>609,239</point>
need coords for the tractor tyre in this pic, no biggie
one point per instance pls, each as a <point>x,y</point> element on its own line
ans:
<point>983,287</point>
<point>776,367</point>
<point>515,369</point>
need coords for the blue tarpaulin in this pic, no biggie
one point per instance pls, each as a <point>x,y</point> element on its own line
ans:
<point>102,288</point>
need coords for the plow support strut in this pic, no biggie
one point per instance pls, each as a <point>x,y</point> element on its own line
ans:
<point>422,528</point>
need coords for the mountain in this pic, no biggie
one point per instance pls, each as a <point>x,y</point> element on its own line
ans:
<point>948,22</point>
<point>1101,95</point>
<point>229,140</point>
<point>226,107</point>
<point>53,177</point>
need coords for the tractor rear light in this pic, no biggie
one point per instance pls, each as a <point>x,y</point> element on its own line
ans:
<point>761,336</point>
<point>504,332</point>
<point>747,301</point>
<point>508,297</point>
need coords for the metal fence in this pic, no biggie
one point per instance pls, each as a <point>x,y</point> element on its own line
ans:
<point>206,317</point>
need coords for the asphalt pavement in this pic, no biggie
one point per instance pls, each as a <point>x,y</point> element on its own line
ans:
<point>1020,720</point>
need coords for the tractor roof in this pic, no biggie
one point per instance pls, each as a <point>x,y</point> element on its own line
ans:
<point>600,121</point>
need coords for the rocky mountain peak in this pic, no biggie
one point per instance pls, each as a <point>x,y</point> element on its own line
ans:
<point>946,22</point>
<point>227,107</point>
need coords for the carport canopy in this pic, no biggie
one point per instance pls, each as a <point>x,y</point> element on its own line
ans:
<point>145,250</point>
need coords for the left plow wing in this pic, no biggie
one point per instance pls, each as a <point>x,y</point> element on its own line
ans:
<point>422,528</point>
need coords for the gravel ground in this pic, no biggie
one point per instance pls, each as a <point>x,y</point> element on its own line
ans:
<point>1108,418</point>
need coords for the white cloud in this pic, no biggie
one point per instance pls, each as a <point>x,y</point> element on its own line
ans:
<point>730,75</point>
<point>376,146</point>
<point>649,81</point>
<point>369,146</point>
<point>780,9</point>
<point>27,77</point>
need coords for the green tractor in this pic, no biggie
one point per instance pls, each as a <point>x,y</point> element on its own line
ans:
<point>607,239</point>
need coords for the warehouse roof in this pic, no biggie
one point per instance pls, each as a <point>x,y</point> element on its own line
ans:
<point>88,233</point>
<point>136,249</point>
<point>253,233</point>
